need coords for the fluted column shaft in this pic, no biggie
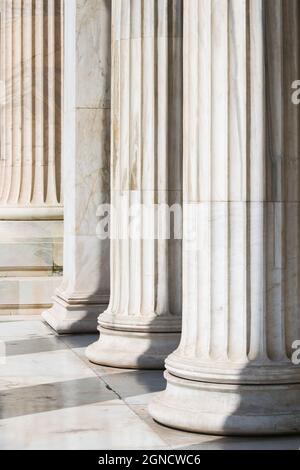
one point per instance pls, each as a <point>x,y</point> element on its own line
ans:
<point>141,324</point>
<point>30,170</point>
<point>232,372</point>
<point>84,292</point>
<point>31,206</point>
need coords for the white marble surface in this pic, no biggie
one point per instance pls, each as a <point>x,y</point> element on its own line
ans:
<point>232,372</point>
<point>144,314</point>
<point>27,294</point>
<point>83,406</point>
<point>16,373</point>
<point>31,209</point>
<point>22,329</point>
<point>30,170</point>
<point>93,51</point>
<point>31,247</point>
<point>84,292</point>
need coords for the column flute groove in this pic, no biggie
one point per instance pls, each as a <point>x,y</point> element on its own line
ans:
<point>31,206</point>
<point>31,155</point>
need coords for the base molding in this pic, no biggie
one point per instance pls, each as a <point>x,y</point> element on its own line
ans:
<point>223,409</point>
<point>132,350</point>
<point>67,318</point>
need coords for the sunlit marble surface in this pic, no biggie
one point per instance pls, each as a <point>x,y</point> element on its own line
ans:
<point>52,397</point>
<point>84,292</point>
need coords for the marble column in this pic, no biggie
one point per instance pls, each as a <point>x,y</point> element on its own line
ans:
<point>142,323</point>
<point>232,372</point>
<point>31,210</point>
<point>84,292</point>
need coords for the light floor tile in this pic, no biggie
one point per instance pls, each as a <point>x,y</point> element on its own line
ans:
<point>45,367</point>
<point>98,426</point>
<point>13,318</point>
<point>24,329</point>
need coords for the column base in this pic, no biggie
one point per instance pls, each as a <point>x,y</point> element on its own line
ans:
<point>223,409</point>
<point>67,318</point>
<point>132,350</point>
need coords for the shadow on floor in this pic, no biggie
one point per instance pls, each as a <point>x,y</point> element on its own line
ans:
<point>53,396</point>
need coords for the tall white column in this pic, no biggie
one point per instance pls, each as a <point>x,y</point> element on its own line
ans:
<point>31,208</point>
<point>142,323</point>
<point>84,292</point>
<point>232,373</point>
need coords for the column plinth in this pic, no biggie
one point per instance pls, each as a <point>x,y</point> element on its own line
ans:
<point>226,409</point>
<point>233,372</point>
<point>75,315</point>
<point>132,349</point>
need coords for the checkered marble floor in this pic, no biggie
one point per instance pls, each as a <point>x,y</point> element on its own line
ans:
<point>51,397</point>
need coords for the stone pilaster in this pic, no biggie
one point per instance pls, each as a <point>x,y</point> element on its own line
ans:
<point>84,292</point>
<point>31,208</point>
<point>232,373</point>
<point>143,320</point>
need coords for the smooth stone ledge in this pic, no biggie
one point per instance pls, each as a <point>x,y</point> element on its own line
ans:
<point>67,318</point>
<point>223,409</point>
<point>132,350</point>
<point>31,213</point>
